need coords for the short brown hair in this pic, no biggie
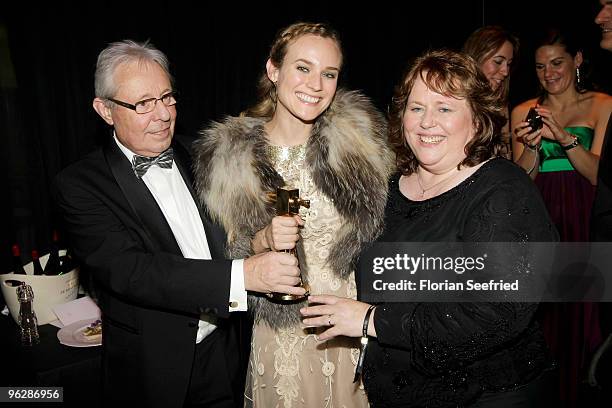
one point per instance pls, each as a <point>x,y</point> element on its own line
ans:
<point>456,75</point>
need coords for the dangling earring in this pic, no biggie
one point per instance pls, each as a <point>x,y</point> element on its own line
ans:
<point>578,76</point>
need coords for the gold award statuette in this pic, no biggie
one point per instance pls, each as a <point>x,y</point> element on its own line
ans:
<point>288,203</point>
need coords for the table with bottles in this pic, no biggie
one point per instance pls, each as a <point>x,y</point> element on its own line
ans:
<point>47,362</point>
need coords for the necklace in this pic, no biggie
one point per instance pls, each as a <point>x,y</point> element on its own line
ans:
<point>426,189</point>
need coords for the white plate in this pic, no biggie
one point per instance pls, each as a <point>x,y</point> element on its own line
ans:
<point>72,335</point>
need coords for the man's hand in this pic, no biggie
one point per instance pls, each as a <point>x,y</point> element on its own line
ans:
<point>273,272</point>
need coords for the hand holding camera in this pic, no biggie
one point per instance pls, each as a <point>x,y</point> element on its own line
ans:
<point>529,132</point>
<point>534,119</point>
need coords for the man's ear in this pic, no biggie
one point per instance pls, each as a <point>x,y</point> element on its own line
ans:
<point>272,71</point>
<point>103,110</point>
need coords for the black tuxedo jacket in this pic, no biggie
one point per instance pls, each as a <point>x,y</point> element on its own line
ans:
<point>601,214</point>
<point>150,295</point>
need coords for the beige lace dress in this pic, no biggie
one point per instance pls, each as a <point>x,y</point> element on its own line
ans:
<point>291,367</point>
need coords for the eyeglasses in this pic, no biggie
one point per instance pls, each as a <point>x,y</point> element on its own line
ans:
<point>148,105</point>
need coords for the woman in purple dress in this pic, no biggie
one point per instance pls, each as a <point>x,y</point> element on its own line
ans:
<point>562,157</point>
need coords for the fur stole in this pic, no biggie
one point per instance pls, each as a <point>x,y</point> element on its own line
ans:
<point>350,162</point>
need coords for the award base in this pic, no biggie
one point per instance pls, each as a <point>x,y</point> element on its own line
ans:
<point>285,297</point>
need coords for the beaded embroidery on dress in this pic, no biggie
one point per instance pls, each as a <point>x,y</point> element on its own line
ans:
<point>289,367</point>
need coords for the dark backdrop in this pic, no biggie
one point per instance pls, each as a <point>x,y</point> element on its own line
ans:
<point>217,51</point>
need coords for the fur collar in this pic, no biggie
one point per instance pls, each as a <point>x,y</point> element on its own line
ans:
<point>350,162</point>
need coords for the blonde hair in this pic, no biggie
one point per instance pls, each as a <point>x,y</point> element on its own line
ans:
<point>266,89</point>
<point>483,43</point>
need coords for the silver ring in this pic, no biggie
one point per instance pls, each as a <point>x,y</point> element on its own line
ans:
<point>329,323</point>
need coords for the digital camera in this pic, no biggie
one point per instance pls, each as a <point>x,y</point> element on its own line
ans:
<point>534,119</point>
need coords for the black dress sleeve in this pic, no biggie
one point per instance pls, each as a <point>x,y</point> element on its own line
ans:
<point>448,336</point>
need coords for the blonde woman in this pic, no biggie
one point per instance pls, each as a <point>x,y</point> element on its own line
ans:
<point>331,145</point>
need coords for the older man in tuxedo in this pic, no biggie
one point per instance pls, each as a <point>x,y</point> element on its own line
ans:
<point>165,290</point>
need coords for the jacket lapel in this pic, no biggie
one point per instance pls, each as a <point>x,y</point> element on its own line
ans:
<point>141,201</point>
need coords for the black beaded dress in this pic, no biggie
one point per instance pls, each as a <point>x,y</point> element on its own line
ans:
<point>449,354</point>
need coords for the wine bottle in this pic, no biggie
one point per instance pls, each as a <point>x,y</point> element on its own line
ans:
<point>17,265</point>
<point>27,317</point>
<point>68,262</point>
<point>53,263</point>
<point>38,270</point>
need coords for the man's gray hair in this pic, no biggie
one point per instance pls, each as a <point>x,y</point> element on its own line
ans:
<point>121,52</point>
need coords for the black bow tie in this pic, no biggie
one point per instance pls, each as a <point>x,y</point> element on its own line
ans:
<point>141,164</point>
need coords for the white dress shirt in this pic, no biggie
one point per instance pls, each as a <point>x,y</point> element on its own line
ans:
<point>176,203</point>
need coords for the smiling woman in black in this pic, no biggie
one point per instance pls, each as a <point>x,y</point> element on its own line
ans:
<point>444,126</point>
<point>448,354</point>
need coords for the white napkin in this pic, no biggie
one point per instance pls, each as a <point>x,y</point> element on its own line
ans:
<point>79,309</point>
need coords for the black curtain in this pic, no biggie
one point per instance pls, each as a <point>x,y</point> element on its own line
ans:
<point>48,54</point>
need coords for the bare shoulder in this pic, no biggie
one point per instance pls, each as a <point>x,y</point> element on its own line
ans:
<point>602,106</point>
<point>601,100</point>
